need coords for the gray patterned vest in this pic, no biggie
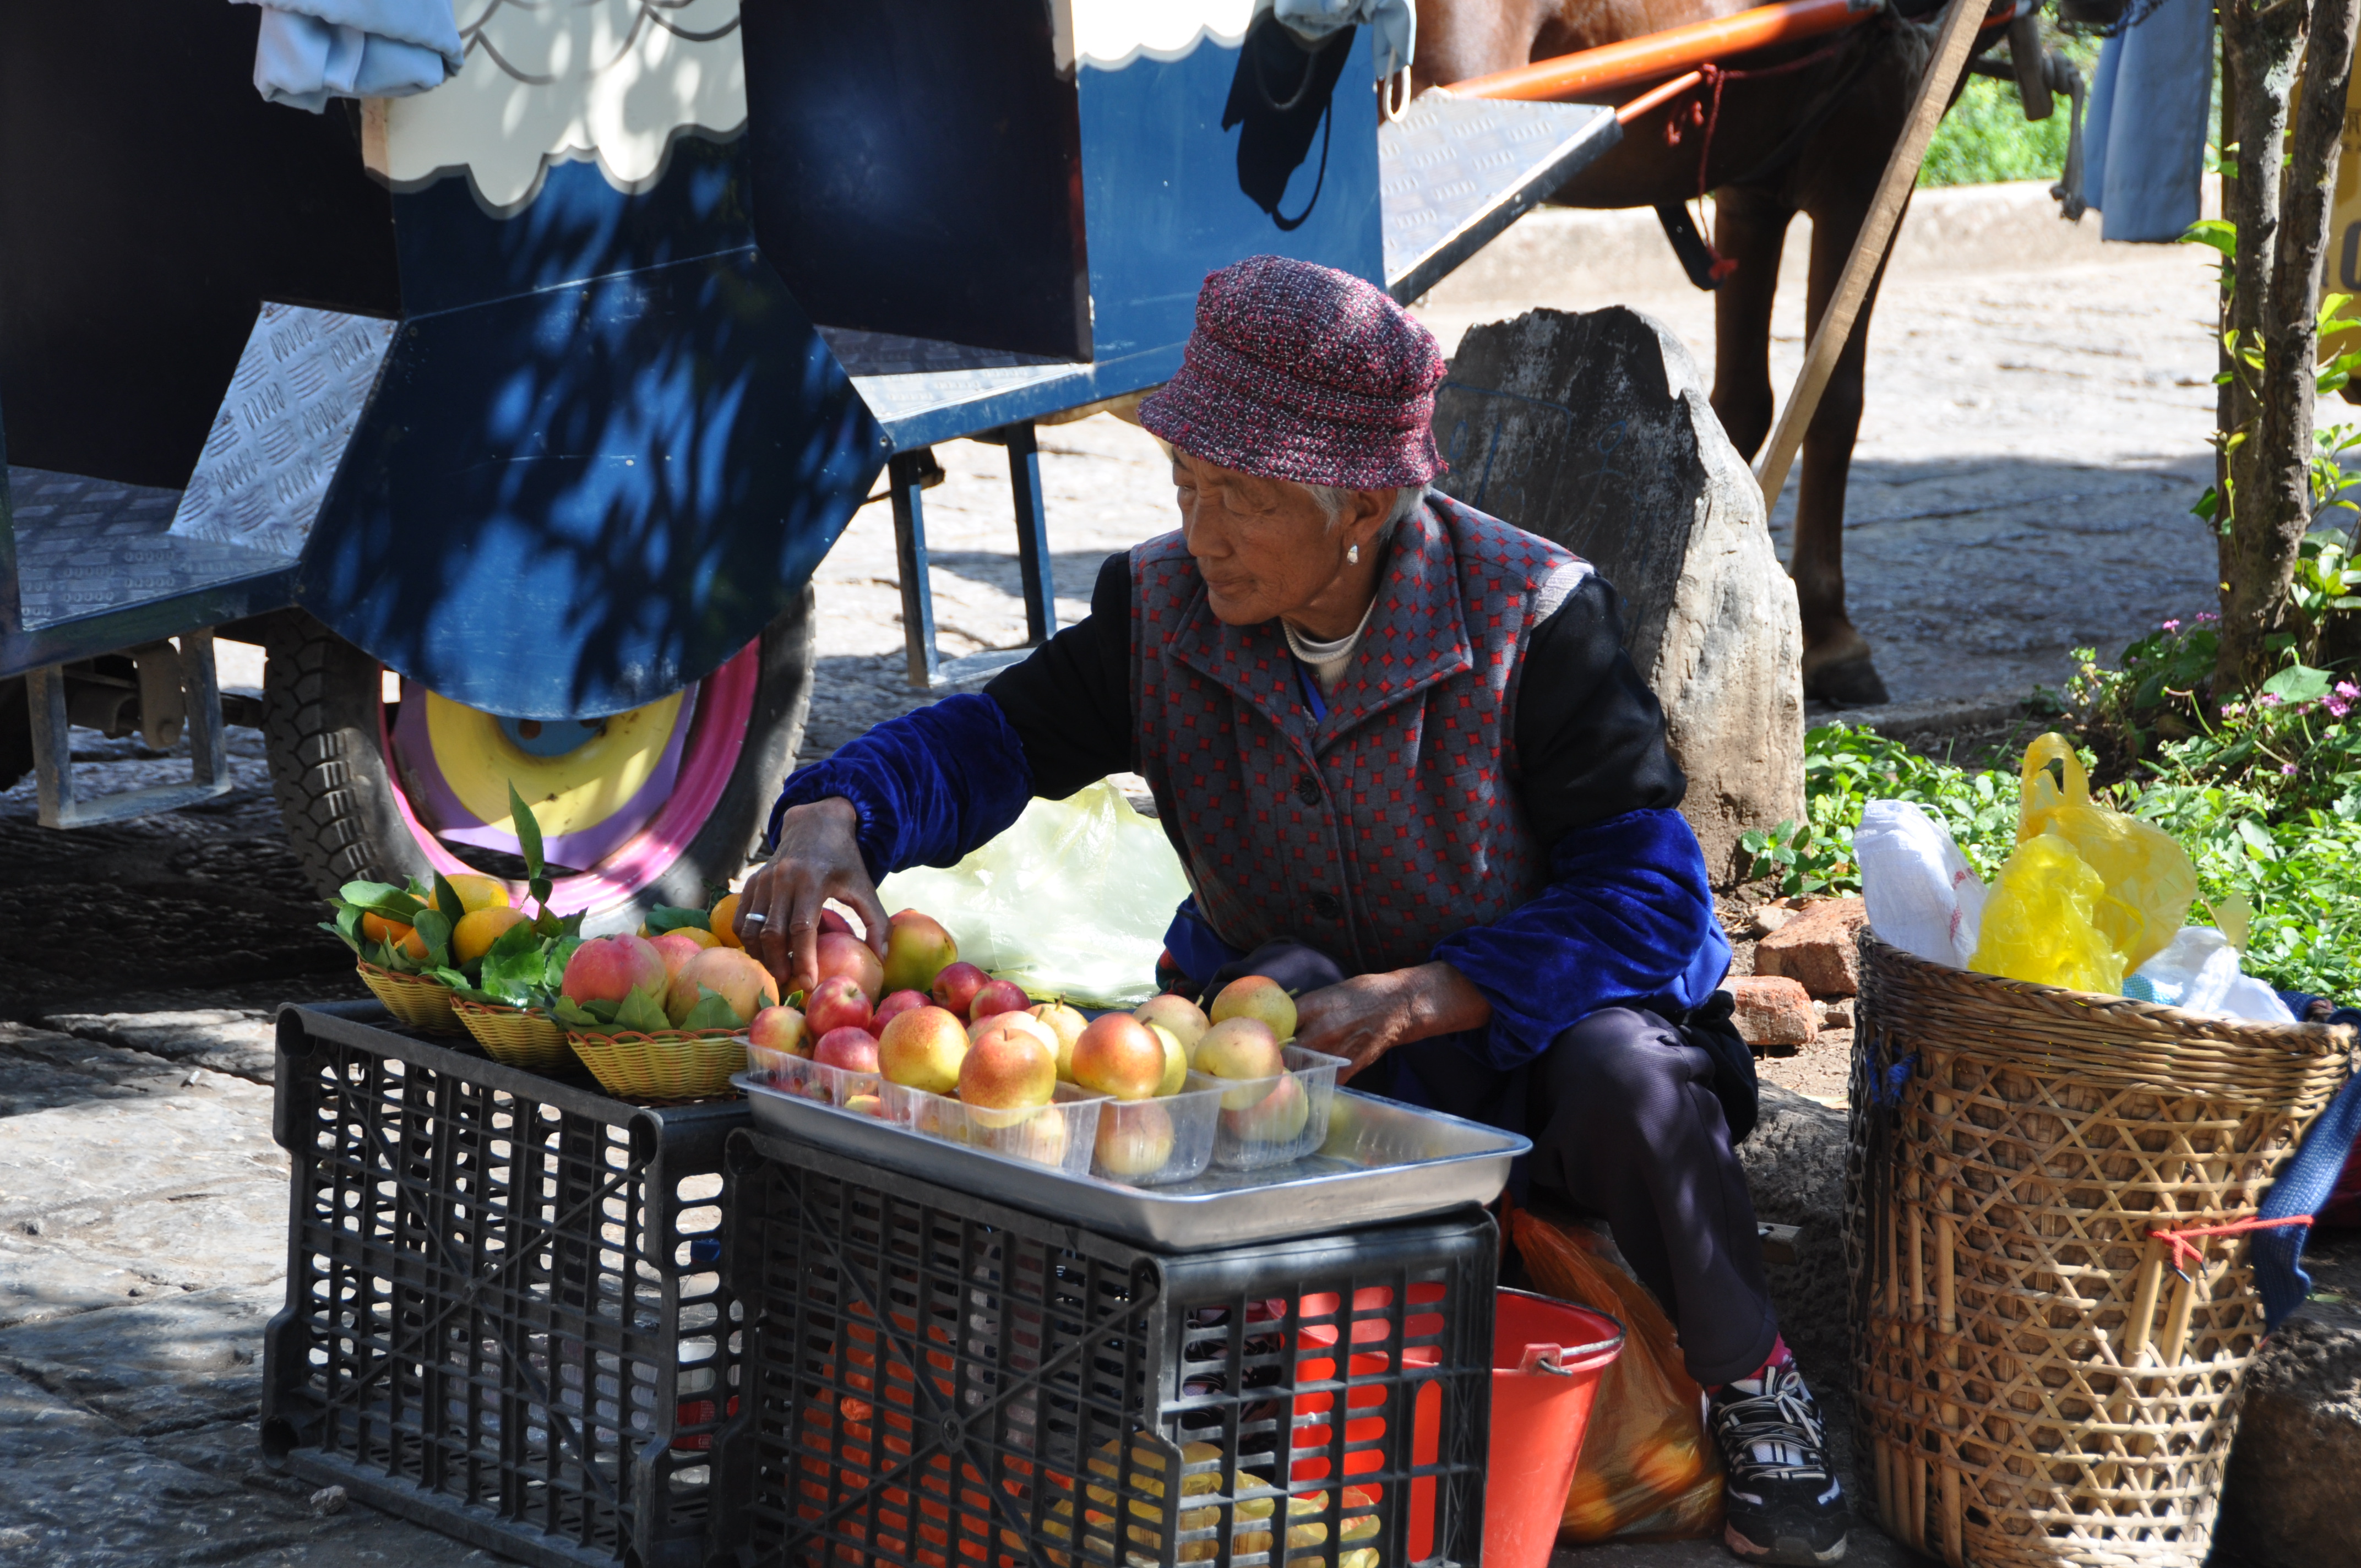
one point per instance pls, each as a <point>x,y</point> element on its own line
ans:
<point>1394,822</point>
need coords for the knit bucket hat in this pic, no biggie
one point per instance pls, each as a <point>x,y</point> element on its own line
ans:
<point>1303,372</point>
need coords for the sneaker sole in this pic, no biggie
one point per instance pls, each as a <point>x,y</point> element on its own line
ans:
<point>1785,1552</point>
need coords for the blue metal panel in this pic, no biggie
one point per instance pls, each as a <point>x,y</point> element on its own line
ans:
<point>589,481</point>
<point>1190,164</point>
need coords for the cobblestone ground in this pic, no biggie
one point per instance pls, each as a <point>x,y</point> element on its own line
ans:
<point>2031,446</point>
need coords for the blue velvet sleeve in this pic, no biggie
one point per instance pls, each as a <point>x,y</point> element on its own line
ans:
<point>1627,918</point>
<point>927,787</point>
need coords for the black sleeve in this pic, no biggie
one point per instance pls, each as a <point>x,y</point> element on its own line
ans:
<point>1070,702</point>
<point>1590,735</point>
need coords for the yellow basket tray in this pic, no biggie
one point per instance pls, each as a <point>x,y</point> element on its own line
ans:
<point>518,1036</point>
<point>673,1065</point>
<point>418,1002</point>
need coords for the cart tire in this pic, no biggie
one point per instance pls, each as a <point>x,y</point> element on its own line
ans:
<point>339,799</point>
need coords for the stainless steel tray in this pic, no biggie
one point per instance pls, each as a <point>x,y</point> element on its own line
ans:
<point>1382,1161</point>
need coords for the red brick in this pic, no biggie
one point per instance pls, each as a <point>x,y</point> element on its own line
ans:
<point>1818,947</point>
<point>1773,1011</point>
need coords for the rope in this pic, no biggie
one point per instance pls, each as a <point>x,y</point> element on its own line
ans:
<point>2186,1252</point>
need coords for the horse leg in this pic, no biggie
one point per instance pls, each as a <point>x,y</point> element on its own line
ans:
<point>1749,227</point>
<point>1836,666</point>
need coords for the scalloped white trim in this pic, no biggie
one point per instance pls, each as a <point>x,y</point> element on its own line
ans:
<point>552,81</point>
<point>1111,34</point>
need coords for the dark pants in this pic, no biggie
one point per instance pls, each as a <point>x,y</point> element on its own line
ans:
<point>1626,1127</point>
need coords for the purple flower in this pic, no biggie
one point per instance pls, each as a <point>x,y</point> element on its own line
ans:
<point>2348,690</point>
<point>2267,699</point>
<point>2206,618</point>
<point>2339,706</point>
<point>2286,770</point>
<point>2172,626</point>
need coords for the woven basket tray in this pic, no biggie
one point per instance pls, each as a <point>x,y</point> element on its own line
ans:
<point>421,1004</point>
<point>672,1065</point>
<point>2036,1384</point>
<point>516,1036</point>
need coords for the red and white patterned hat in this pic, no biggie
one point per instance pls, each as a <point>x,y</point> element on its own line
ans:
<point>1301,372</point>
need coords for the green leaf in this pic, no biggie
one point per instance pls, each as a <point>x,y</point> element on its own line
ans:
<point>434,929</point>
<point>2299,683</point>
<point>446,897</point>
<point>528,833</point>
<point>672,918</point>
<point>642,1012</point>
<point>541,887</point>
<point>712,1012</point>
<point>2214,234</point>
<point>452,978</point>
<point>382,898</point>
<point>336,928</point>
<point>520,938</point>
<point>574,1015</point>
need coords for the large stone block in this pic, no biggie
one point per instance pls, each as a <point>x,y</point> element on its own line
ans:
<point>1819,947</point>
<point>1594,431</point>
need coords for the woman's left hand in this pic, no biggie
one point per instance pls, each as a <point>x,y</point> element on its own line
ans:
<point>1363,1018</point>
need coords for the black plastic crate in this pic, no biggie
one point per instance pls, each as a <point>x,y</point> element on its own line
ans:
<point>928,1376</point>
<point>505,1317</point>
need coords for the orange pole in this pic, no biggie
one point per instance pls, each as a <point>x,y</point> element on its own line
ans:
<point>1609,67</point>
<point>1654,96</point>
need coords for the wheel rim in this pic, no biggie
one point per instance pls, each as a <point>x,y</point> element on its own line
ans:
<point>631,801</point>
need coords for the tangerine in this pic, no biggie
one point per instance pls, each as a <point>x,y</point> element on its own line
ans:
<point>703,938</point>
<point>377,928</point>
<point>477,929</point>
<point>476,893</point>
<point>723,922</point>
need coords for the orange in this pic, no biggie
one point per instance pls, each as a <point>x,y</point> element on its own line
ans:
<point>723,920</point>
<point>415,945</point>
<point>377,928</point>
<point>477,892</point>
<point>702,938</point>
<point>480,928</point>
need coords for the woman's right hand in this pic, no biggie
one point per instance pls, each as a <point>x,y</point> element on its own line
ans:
<point>818,858</point>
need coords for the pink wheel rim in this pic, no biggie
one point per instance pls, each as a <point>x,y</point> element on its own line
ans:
<point>725,705</point>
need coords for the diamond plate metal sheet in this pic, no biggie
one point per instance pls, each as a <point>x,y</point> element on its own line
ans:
<point>88,546</point>
<point>284,422</point>
<point>901,377</point>
<point>1453,172</point>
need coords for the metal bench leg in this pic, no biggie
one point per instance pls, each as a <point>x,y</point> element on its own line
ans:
<point>53,744</point>
<point>905,472</point>
<point>1032,533</point>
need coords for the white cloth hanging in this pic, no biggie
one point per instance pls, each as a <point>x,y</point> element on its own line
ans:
<point>309,51</point>
<point>1392,24</point>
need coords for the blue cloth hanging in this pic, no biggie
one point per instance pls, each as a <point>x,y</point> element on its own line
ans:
<point>309,51</point>
<point>2278,1255</point>
<point>2144,133</point>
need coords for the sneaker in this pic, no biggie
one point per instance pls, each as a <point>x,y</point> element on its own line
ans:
<point>1785,1505</point>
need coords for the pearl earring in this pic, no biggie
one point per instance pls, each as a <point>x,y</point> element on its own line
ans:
<point>1352,553</point>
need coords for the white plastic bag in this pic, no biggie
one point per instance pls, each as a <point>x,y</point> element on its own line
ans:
<point>1072,901</point>
<point>1922,895</point>
<point>2198,973</point>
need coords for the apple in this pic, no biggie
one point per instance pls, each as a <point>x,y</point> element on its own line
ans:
<point>955,987</point>
<point>854,1050</point>
<point>1133,1140</point>
<point>922,1049</point>
<point>995,997</point>
<point>896,1004</point>
<point>608,969</point>
<point>1239,1048</point>
<point>1119,1055</point>
<point>742,981</point>
<point>1176,1062</point>
<point>837,1004</point>
<point>1009,1068</point>
<point>917,949</point>
<point>780,1029</point>
<point>842,953</point>
<point>1025,1021</point>
<point>866,1105</point>
<point>1038,1134</point>
<point>1177,1014</point>
<point>1278,1119</point>
<point>832,920</point>
<point>1257,996</point>
<point>1067,1024</point>
<point>677,947</point>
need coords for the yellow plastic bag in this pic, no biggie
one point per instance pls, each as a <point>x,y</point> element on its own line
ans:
<point>2149,882</point>
<point>2038,921</point>
<point>1647,1472</point>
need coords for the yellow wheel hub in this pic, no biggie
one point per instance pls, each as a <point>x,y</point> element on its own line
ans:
<point>568,794</point>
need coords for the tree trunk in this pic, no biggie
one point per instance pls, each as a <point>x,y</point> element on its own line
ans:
<point>2281,215</point>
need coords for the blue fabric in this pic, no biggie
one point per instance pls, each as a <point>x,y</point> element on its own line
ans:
<point>2144,131</point>
<point>308,51</point>
<point>927,787</point>
<point>2277,1255</point>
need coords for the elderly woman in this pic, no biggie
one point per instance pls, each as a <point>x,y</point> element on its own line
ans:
<point>1410,771</point>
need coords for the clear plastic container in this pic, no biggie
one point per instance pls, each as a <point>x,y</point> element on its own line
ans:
<point>1268,1127</point>
<point>1058,1134</point>
<point>809,1080</point>
<point>1154,1143</point>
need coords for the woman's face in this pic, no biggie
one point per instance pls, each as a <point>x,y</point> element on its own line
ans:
<point>1264,546</point>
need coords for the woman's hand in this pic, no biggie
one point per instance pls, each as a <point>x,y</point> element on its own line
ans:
<point>1365,1017</point>
<point>819,859</point>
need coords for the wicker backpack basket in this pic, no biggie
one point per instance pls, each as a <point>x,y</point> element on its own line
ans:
<point>2034,1382</point>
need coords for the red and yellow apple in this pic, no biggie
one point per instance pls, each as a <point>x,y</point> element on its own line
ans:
<point>917,949</point>
<point>1177,1013</point>
<point>996,997</point>
<point>954,989</point>
<point>1009,1068</point>
<point>1239,1048</point>
<point>677,947</point>
<point>1257,996</point>
<point>866,1105</point>
<point>735,974</point>
<point>780,1029</point>
<point>834,920</point>
<point>845,955</point>
<point>896,1004</point>
<point>922,1049</point>
<point>1119,1055</point>
<point>1134,1141</point>
<point>1067,1024</point>
<point>854,1050</point>
<point>1278,1118</point>
<point>837,1002</point>
<point>608,969</point>
<point>1176,1062</point>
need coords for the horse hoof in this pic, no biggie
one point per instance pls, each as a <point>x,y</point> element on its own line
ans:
<point>1851,684</point>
